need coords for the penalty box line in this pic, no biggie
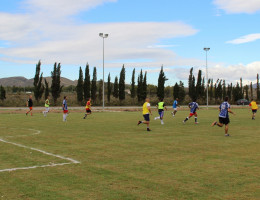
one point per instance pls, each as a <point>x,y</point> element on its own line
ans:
<point>71,161</point>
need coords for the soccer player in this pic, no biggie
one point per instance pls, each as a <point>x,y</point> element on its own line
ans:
<point>161,106</point>
<point>65,109</point>
<point>175,105</point>
<point>254,108</point>
<point>193,107</point>
<point>29,105</point>
<point>88,108</point>
<point>224,109</point>
<point>47,106</point>
<point>146,114</point>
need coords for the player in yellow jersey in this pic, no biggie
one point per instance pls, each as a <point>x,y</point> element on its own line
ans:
<point>88,108</point>
<point>47,107</point>
<point>161,106</point>
<point>146,114</point>
<point>254,108</point>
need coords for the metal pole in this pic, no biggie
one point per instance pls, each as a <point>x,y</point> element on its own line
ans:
<point>103,73</point>
<point>207,80</point>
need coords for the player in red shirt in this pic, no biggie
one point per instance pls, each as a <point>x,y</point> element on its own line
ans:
<point>88,108</point>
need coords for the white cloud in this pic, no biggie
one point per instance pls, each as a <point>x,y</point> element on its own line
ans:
<point>238,6</point>
<point>43,34</point>
<point>245,39</point>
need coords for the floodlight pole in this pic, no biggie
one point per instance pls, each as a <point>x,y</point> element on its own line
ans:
<point>207,49</point>
<point>103,36</point>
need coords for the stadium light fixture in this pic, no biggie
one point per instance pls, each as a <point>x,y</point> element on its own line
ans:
<point>207,49</point>
<point>103,36</point>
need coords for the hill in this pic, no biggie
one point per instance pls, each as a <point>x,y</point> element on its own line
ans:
<point>20,81</point>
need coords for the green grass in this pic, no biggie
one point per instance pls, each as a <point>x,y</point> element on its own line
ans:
<point>120,160</point>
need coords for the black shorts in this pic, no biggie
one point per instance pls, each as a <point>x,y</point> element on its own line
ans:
<point>147,117</point>
<point>88,111</point>
<point>224,120</point>
<point>254,111</point>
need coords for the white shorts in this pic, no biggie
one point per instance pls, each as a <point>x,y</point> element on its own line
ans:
<point>47,109</point>
<point>175,109</point>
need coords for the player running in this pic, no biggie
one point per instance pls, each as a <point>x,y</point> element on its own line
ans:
<point>254,108</point>
<point>175,106</point>
<point>88,108</point>
<point>146,113</point>
<point>193,107</point>
<point>224,109</point>
<point>47,107</point>
<point>29,105</point>
<point>161,106</point>
<point>65,109</point>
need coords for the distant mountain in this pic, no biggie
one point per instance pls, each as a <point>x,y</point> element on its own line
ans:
<point>20,81</point>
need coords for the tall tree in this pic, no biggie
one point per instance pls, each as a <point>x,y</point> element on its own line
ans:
<point>251,91</point>
<point>181,91</point>
<point>192,88</point>
<point>2,93</point>
<point>133,93</point>
<point>94,85</point>
<point>122,84</point>
<point>47,90</point>
<point>176,90</point>
<point>161,81</point>
<point>109,87</point>
<point>100,90</point>
<point>246,91</point>
<point>80,86</point>
<point>144,86</point>
<point>224,89</point>
<point>210,89</point>
<point>37,82</point>
<point>203,88</point>
<point>241,92</point>
<point>116,86</point>
<point>199,90</point>
<point>257,87</point>
<point>87,84</point>
<point>140,87</point>
<point>55,85</point>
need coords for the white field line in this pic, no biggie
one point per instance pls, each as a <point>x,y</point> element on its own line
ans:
<point>71,161</point>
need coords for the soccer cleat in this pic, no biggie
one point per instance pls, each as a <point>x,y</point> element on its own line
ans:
<point>162,123</point>
<point>227,135</point>
<point>149,129</point>
<point>183,122</point>
<point>139,122</point>
<point>155,118</point>
<point>196,122</point>
<point>214,123</point>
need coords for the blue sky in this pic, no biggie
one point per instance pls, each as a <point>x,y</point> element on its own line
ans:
<point>142,34</point>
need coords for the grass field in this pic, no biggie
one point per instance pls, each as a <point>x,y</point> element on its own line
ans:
<point>120,160</point>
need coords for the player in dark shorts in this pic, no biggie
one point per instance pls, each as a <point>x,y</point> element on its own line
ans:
<point>29,104</point>
<point>224,109</point>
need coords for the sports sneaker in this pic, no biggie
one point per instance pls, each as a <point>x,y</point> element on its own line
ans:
<point>214,123</point>
<point>139,122</point>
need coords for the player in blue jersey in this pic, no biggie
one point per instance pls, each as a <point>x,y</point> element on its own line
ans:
<point>175,106</point>
<point>65,109</point>
<point>224,109</point>
<point>193,107</point>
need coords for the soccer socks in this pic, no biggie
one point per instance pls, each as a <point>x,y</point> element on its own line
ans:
<point>64,117</point>
<point>162,121</point>
<point>196,120</point>
<point>186,119</point>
